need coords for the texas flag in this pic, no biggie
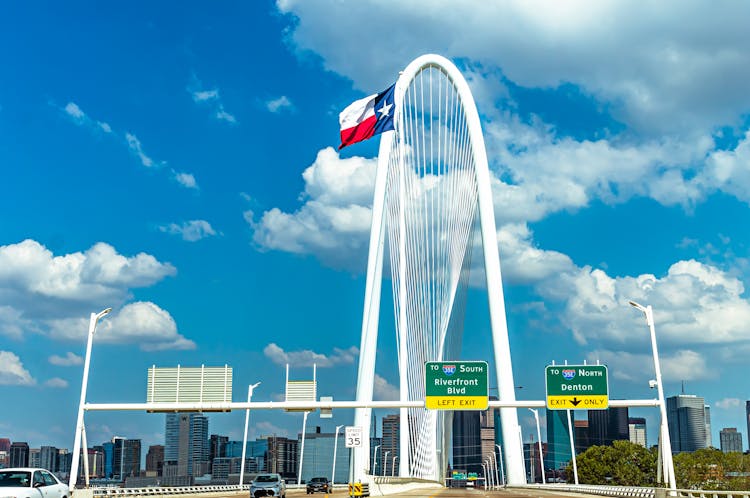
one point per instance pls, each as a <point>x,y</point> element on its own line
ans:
<point>367,117</point>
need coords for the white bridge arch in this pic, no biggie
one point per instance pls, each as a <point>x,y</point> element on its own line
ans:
<point>432,189</point>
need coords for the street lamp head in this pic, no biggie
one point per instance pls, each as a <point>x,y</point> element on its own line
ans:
<point>103,312</point>
<point>637,306</point>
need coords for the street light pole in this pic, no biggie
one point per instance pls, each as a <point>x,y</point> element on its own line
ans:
<point>302,448</point>
<point>95,317</point>
<point>539,439</point>
<point>497,477</point>
<point>393,465</point>
<point>385,461</point>
<point>502,466</point>
<point>375,460</point>
<point>335,447</point>
<point>250,390</point>
<point>667,451</point>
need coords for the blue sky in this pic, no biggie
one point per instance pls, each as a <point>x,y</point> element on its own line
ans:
<point>178,164</point>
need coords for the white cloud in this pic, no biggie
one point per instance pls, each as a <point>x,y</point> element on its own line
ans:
<point>280,104</point>
<point>266,428</point>
<point>12,322</point>
<point>729,403</point>
<point>29,271</point>
<point>53,295</point>
<point>191,231</point>
<point>694,303</point>
<point>12,372</point>
<point>81,118</point>
<point>74,111</point>
<point>131,141</point>
<point>670,72</point>
<point>135,146</point>
<point>334,222</point>
<point>223,115</point>
<point>383,391</point>
<point>56,382</point>
<point>306,358</point>
<point>204,95</point>
<point>679,365</point>
<point>70,359</point>
<point>210,98</point>
<point>141,323</point>
<point>187,180</point>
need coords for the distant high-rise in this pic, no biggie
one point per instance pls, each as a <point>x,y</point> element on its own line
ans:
<point>637,430</point>
<point>730,439</point>
<point>318,458</point>
<point>48,458</point>
<point>108,449</point>
<point>217,447</point>
<point>558,440</point>
<point>467,442</point>
<point>118,458</point>
<point>707,414</point>
<point>686,417</point>
<point>132,458</point>
<point>155,459</point>
<point>282,456</point>
<point>607,426</point>
<point>581,435</point>
<point>390,442</point>
<point>747,416</point>
<point>186,448</point>
<point>19,454</point>
<point>487,433</point>
<point>34,457</point>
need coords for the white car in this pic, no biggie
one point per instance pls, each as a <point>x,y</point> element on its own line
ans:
<point>31,483</point>
<point>267,485</point>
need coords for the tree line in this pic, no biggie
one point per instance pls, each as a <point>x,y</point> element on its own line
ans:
<point>628,464</point>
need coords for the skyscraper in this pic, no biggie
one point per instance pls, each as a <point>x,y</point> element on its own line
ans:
<point>282,456</point>
<point>747,416</point>
<point>318,457</point>
<point>132,458</point>
<point>467,442</point>
<point>48,457</point>
<point>118,457</point>
<point>487,433</point>
<point>686,417</point>
<point>637,430</point>
<point>19,454</point>
<point>731,440</point>
<point>558,440</point>
<point>155,459</point>
<point>607,426</point>
<point>186,448</point>
<point>390,442</point>
<point>218,447</point>
<point>581,435</point>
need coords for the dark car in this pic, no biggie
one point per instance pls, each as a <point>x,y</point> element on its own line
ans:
<point>318,484</point>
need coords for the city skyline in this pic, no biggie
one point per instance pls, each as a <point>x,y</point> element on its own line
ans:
<point>179,165</point>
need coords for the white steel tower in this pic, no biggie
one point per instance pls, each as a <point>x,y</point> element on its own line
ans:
<point>432,192</point>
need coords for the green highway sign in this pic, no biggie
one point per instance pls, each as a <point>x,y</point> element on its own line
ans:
<point>571,387</point>
<point>456,385</point>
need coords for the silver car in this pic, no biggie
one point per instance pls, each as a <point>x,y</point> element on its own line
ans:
<point>268,485</point>
<point>31,483</point>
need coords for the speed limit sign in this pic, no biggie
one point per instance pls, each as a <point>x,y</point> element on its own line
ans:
<point>353,436</point>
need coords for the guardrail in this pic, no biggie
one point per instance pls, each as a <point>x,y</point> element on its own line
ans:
<point>620,491</point>
<point>639,492</point>
<point>174,490</point>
